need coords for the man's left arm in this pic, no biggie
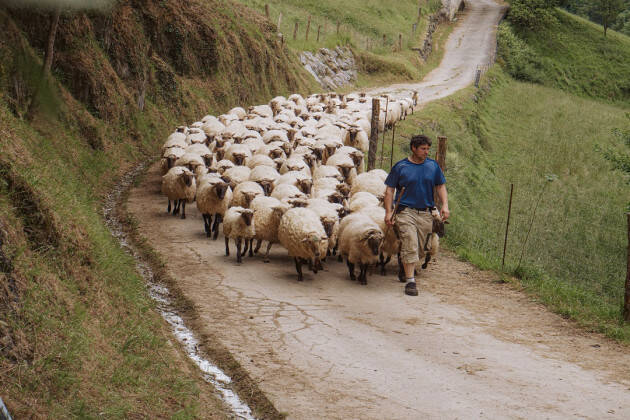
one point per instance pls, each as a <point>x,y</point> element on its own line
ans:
<point>443,196</point>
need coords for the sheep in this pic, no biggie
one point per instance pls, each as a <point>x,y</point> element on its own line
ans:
<point>357,138</point>
<point>272,150</point>
<point>236,175</point>
<point>345,164</point>
<point>238,153</point>
<point>190,161</point>
<point>258,160</point>
<point>169,157</point>
<point>297,178</point>
<point>361,200</point>
<point>196,136</point>
<point>329,216</point>
<point>432,244</point>
<point>175,140</point>
<point>213,199</point>
<point>295,164</point>
<point>261,110</point>
<point>223,165</point>
<point>265,176</point>
<point>179,186</point>
<point>239,112</point>
<point>380,173</point>
<point>327,171</point>
<point>285,192</point>
<point>203,151</point>
<point>355,154</point>
<point>369,182</point>
<point>302,234</point>
<point>238,224</point>
<point>391,243</point>
<point>359,243</point>
<point>268,212</point>
<point>254,144</point>
<point>245,192</point>
<point>332,196</point>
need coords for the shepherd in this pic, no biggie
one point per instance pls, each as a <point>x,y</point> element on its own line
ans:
<point>418,175</point>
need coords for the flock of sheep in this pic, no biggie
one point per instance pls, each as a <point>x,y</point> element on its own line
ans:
<point>289,172</point>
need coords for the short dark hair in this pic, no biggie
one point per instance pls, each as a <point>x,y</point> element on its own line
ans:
<point>419,140</point>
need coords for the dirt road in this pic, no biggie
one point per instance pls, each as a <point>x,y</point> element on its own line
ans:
<point>328,348</point>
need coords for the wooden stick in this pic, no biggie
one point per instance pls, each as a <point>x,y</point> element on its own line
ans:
<point>295,30</point>
<point>507,227</point>
<point>308,26</point>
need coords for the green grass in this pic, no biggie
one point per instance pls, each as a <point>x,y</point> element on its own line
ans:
<point>572,55</point>
<point>511,132</point>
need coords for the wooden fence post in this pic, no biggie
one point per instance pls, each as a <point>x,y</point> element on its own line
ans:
<point>319,27</point>
<point>626,305</point>
<point>399,42</point>
<point>279,21</point>
<point>441,152</point>
<point>267,10</point>
<point>507,227</point>
<point>295,30</point>
<point>384,40</point>
<point>308,26</point>
<point>338,25</point>
<point>376,111</point>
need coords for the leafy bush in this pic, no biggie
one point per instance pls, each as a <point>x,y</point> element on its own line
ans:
<point>521,62</point>
<point>532,14</point>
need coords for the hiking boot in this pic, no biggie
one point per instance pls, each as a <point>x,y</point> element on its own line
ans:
<point>410,289</point>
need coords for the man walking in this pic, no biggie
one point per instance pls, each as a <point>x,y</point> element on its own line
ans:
<point>418,174</point>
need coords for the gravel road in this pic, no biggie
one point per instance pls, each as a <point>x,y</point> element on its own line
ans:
<point>328,348</point>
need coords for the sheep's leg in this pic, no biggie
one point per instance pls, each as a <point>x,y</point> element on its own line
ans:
<point>334,250</point>
<point>227,246</point>
<point>183,208</point>
<point>266,260</point>
<point>298,267</point>
<point>258,244</point>
<point>317,266</point>
<point>251,247</point>
<point>351,270</point>
<point>215,227</point>
<point>246,247</point>
<point>176,208</point>
<point>239,242</point>
<point>427,258</point>
<point>401,270</point>
<point>168,209</point>
<point>363,273</point>
<point>207,222</point>
<point>383,262</point>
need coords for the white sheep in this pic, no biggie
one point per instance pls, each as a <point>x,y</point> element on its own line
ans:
<point>345,164</point>
<point>169,157</point>
<point>268,212</point>
<point>213,199</point>
<point>245,192</point>
<point>265,176</point>
<point>302,234</point>
<point>236,175</point>
<point>238,224</point>
<point>329,217</point>
<point>369,182</point>
<point>391,243</point>
<point>361,200</point>
<point>297,178</point>
<point>380,173</point>
<point>223,165</point>
<point>175,140</point>
<point>190,161</point>
<point>359,243</point>
<point>258,160</point>
<point>284,192</point>
<point>179,186</point>
<point>238,153</point>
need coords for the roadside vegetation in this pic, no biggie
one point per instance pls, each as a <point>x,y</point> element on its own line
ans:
<point>561,142</point>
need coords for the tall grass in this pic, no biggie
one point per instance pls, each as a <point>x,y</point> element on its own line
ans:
<point>544,142</point>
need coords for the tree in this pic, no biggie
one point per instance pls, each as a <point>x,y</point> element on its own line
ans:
<point>606,12</point>
<point>532,14</point>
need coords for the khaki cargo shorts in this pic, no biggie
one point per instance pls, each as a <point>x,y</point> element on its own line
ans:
<point>414,227</point>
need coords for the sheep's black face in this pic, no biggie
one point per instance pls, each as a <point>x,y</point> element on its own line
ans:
<point>305,186</point>
<point>331,149</point>
<point>319,154</point>
<point>187,179</point>
<point>239,159</point>
<point>344,189</point>
<point>374,242</point>
<point>328,227</point>
<point>247,217</point>
<point>275,154</point>
<point>170,161</point>
<point>207,160</point>
<point>345,171</point>
<point>356,158</point>
<point>220,153</point>
<point>266,186</point>
<point>181,129</point>
<point>353,134</point>
<point>221,189</point>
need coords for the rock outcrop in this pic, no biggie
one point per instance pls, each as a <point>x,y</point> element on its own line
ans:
<point>331,68</point>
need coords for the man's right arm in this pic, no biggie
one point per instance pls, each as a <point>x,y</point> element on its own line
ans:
<point>389,205</point>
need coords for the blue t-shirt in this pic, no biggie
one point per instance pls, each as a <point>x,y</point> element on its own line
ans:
<point>419,180</point>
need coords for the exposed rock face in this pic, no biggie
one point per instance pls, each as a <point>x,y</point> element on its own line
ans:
<point>450,7</point>
<point>331,68</point>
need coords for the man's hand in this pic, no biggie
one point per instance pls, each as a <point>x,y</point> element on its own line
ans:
<point>445,213</point>
<point>389,218</point>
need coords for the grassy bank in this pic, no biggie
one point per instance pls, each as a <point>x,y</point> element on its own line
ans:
<point>79,336</point>
<point>544,142</point>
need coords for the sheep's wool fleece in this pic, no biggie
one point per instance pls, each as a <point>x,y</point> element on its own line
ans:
<point>369,182</point>
<point>234,226</point>
<point>173,185</point>
<point>298,224</point>
<point>266,219</point>
<point>351,245</point>
<point>209,203</point>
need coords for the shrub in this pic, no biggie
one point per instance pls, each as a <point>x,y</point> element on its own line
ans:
<point>520,61</point>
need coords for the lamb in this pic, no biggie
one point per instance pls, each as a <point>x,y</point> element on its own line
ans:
<point>369,182</point>
<point>359,243</point>
<point>236,175</point>
<point>238,224</point>
<point>179,186</point>
<point>245,192</point>
<point>268,212</point>
<point>213,199</point>
<point>302,234</point>
<point>265,176</point>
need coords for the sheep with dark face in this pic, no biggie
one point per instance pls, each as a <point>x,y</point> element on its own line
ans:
<point>238,225</point>
<point>360,243</point>
<point>214,196</point>
<point>432,244</point>
<point>179,186</point>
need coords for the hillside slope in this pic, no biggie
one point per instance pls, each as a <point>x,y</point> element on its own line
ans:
<point>78,335</point>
